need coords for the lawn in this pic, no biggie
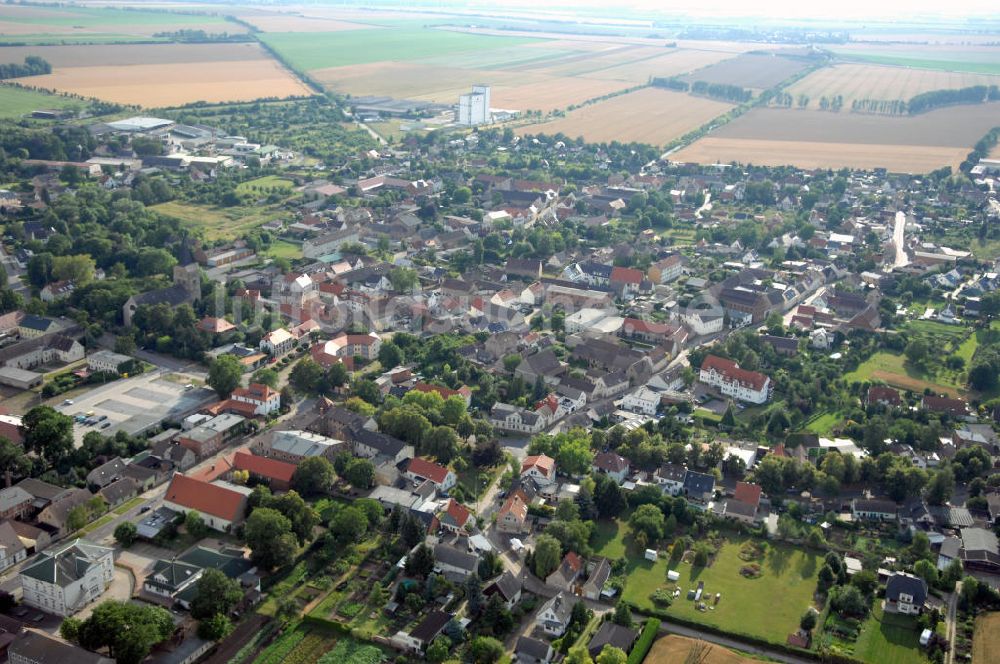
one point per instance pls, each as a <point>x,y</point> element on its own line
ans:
<point>284,249</point>
<point>986,638</point>
<point>824,423</point>
<point>265,185</point>
<point>609,538</point>
<point>218,223</point>
<point>889,639</point>
<point>787,572</point>
<point>319,50</point>
<point>125,507</point>
<point>15,101</point>
<point>893,369</point>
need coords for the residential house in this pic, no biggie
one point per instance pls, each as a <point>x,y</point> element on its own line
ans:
<point>512,418</point>
<point>33,647</point>
<point>208,438</point>
<point>699,487</point>
<point>15,503</point>
<point>507,586</point>
<point>421,470</point>
<point>455,563</point>
<point>554,615</point>
<point>64,580</point>
<point>873,509</point>
<point>119,491</point>
<point>106,361</point>
<point>455,517</point>
<point>598,572</point>
<point>744,504</point>
<point>613,465</point>
<point>882,395</point>
<point>277,342</point>
<point>106,473</point>
<point>565,576</point>
<point>905,593</point>
<point>643,400</point>
<point>513,515</point>
<point>12,549</point>
<point>539,468</point>
<point>265,400</point>
<point>614,635</point>
<point>31,326</point>
<point>221,508</point>
<point>670,477</point>
<point>750,386</point>
<point>666,269</point>
<point>533,651</point>
<point>55,515</point>
<point>421,636</point>
<point>276,474</point>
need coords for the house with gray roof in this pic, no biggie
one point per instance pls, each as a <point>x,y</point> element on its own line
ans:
<point>37,648</point>
<point>555,614</point>
<point>905,593</point>
<point>65,579</point>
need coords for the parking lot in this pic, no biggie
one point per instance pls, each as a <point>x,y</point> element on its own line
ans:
<point>134,405</point>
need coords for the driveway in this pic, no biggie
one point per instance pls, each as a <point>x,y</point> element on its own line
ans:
<point>121,589</point>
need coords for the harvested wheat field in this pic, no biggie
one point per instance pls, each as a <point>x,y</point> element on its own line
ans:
<point>675,649</point>
<point>292,23</point>
<point>986,638</point>
<point>814,154</point>
<point>817,139</point>
<point>673,63</point>
<point>750,70</point>
<point>650,115</point>
<point>168,74</point>
<point>553,93</point>
<point>135,54</point>
<point>877,82</point>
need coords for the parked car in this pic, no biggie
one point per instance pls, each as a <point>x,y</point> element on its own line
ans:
<point>67,402</point>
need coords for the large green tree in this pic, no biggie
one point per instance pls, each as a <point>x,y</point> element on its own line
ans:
<point>215,593</point>
<point>129,631</point>
<point>48,433</point>
<point>224,375</point>
<point>313,476</point>
<point>269,535</point>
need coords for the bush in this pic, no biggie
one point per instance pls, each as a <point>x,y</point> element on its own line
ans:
<point>662,597</point>
<point>645,641</point>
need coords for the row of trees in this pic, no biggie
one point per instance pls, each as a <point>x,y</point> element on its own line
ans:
<point>32,66</point>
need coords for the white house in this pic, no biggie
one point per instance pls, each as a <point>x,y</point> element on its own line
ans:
<point>670,477</point>
<point>613,465</point>
<point>905,593</point>
<point>12,549</point>
<point>421,470</point>
<point>511,418</point>
<point>555,614</point>
<point>642,400</point>
<point>64,580</point>
<point>277,342</point>
<point>265,400</point>
<point>750,386</point>
<point>106,361</point>
<point>540,468</point>
<point>704,321</point>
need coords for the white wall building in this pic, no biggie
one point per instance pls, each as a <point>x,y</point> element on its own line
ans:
<point>642,400</point>
<point>474,107</point>
<point>64,580</point>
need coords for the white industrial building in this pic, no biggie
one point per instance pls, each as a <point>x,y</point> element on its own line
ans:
<point>474,108</point>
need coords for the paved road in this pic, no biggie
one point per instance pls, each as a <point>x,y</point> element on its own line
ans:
<point>898,240</point>
<point>668,628</point>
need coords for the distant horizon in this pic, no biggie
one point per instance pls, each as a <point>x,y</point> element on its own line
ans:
<point>899,12</point>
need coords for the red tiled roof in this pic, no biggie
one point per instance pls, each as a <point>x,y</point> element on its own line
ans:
<point>546,464</point>
<point>257,392</point>
<point>626,275</point>
<point>428,470</point>
<point>632,325</point>
<point>747,493</point>
<point>232,406</point>
<point>204,497</point>
<point>264,466</point>
<point>215,325</point>
<point>573,561</point>
<point>458,512</point>
<point>877,393</point>
<point>516,505</point>
<point>732,372</point>
<point>445,392</point>
<point>610,462</point>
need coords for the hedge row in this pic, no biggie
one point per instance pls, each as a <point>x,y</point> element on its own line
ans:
<point>645,641</point>
<point>834,658</point>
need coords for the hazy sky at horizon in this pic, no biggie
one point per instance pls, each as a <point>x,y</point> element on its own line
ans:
<point>777,9</point>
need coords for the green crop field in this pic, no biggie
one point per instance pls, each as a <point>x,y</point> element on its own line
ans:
<point>265,185</point>
<point>786,571</point>
<point>308,51</point>
<point>101,19</point>
<point>916,62</point>
<point>15,101</point>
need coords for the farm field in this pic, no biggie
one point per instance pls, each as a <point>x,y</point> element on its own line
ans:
<point>15,101</point>
<point>876,82</point>
<point>282,22</point>
<point>672,63</point>
<point>36,23</point>
<point>750,70</point>
<point>978,59</point>
<point>265,185</point>
<point>352,47</point>
<point>786,571</point>
<point>986,638</point>
<point>183,73</point>
<point>673,648</point>
<point>817,139</point>
<point>650,115</point>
